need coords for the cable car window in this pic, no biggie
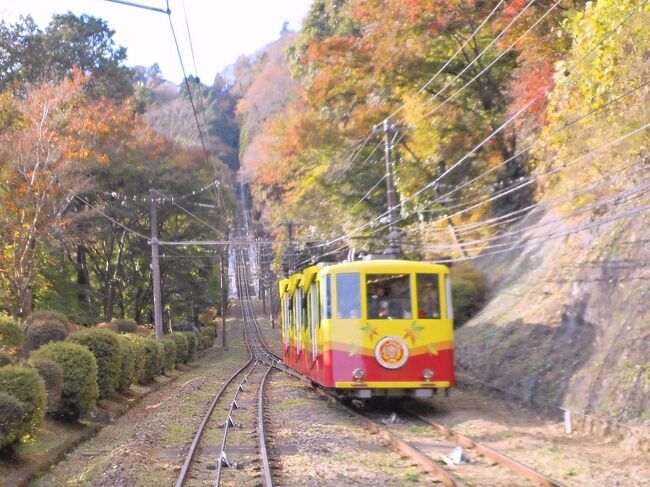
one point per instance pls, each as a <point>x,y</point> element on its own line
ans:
<point>448,304</point>
<point>314,319</point>
<point>389,296</point>
<point>428,296</point>
<point>348,296</point>
<point>299,317</point>
<point>287,319</point>
<point>327,298</point>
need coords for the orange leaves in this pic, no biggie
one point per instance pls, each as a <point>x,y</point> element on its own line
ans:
<point>533,81</point>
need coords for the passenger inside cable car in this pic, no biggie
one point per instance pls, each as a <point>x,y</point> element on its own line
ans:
<point>389,296</point>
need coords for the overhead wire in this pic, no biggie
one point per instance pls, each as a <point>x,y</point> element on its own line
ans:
<point>450,60</point>
<point>190,214</point>
<point>454,56</point>
<point>187,84</point>
<point>619,198</point>
<point>203,106</point>
<point>108,217</point>
<point>540,240</point>
<point>499,57</point>
<point>538,176</point>
<point>568,124</point>
<point>490,136</point>
<point>521,213</point>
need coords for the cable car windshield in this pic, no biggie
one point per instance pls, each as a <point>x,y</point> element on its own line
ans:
<point>389,296</point>
<point>348,295</point>
<point>428,296</point>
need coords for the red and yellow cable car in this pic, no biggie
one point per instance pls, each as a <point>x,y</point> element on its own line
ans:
<point>370,328</point>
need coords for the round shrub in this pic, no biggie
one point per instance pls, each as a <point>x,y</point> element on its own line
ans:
<point>128,363</point>
<point>11,333</point>
<point>192,344</point>
<point>146,358</point>
<point>52,375</point>
<point>26,386</point>
<point>104,346</point>
<point>41,332</point>
<point>160,357</point>
<point>207,337</point>
<point>170,353</point>
<point>139,356</point>
<point>126,325</point>
<point>183,327</point>
<point>5,358</point>
<point>41,316</point>
<point>182,347</point>
<point>79,367</point>
<point>12,415</point>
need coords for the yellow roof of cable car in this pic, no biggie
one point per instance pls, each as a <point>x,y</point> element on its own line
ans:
<point>294,280</point>
<point>308,276</point>
<point>284,286</point>
<point>381,266</point>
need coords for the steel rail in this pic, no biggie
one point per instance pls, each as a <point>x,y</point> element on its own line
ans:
<point>199,434</point>
<point>426,462</point>
<point>261,350</point>
<point>488,452</point>
<point>197,437</point>
<point>268,480</point>
<point>226,427</point>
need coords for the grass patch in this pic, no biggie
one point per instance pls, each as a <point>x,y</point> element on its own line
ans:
<point>418,428</point>
<point>178,433</point>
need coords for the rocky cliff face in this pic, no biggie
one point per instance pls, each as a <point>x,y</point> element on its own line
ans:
<point>568,322</point>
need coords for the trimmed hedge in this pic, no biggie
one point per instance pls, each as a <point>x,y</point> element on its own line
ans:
<point>126,325</point>
<point>80,390</point>
<point>207,337</point>
<point>192,345</point>
<point>11,333</point>
<point>160,357</point>
<point>41,316</point>
<point>140,355</point>
<point>128,353</point>
<point>41,332</point>
<point>26,386</point>
<point>12,413</point>
<point>5,358</point>
<point>180,327</point>
<point>104,346</point>
<point>170,354</point>
<point>52,375</point>
<point>182,348</point>
<point>147,356</point>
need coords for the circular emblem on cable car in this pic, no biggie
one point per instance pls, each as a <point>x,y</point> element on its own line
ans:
<point>391,352</point>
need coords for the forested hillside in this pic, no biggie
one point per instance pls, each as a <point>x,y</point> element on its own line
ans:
<point>82,139</point>
<point>521,143</point>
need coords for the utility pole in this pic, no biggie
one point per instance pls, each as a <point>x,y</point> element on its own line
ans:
<point>155,265</point>
<point>224,299</point>
<point>389,129</point>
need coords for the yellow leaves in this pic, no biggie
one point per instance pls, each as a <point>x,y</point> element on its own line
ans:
<point>414,332</point>
<point>370,330</point>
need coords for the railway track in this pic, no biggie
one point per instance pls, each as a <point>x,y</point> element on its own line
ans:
<point>236,413</point>
<point>432,445</point>
<point>417,437</point>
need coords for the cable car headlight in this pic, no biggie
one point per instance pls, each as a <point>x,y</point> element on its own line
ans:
<point>428,374</point>
<point>358,374</point>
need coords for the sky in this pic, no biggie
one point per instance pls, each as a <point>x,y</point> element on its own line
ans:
<point>221,30</point>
